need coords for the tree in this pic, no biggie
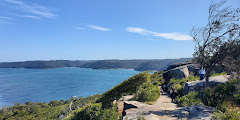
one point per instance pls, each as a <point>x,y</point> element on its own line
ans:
<point>232,61</point>
<point>213,40</point>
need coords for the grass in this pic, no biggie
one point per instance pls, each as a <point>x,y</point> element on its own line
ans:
<point>218,74</point>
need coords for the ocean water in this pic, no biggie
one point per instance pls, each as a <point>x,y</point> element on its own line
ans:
<point>43,85</point>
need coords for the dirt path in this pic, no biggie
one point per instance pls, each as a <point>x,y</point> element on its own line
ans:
<point>163,108</point>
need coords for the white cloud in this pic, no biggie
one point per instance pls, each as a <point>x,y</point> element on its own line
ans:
<point>35,9</point>
<point>173,36</point>
<point>99,28</point>
<point>30,16</point>
<point>6,18</point>
<point>78,28</point>
<point>139,30</point>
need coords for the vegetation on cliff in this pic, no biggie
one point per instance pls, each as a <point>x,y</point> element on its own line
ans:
<point>42,111</point>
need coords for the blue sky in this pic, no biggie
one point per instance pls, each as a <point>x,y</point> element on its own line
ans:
<point>99,29</point>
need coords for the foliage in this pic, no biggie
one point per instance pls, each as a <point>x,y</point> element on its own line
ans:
<point>218,74</point>
<point>39,111</point>
<point>33,111</point>
<point>214,41</point>
<point>141,118</point>
<point>227,115</point>
<point>157,79</point>
<point>178,84</point>
<point>232,62</point>
<point>189,99</point>
<point>223,92</point>
<point>147,92</point>
<point>94,112</point>
<point>89,112</point>
<point>128,86</point>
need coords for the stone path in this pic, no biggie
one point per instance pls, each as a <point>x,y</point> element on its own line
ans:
<point>164,109</point>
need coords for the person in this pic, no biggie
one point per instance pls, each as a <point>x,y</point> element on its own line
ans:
<point>171,93</point>
<point>201,73</point>
<point>174,95</point>
<point>164,87</point>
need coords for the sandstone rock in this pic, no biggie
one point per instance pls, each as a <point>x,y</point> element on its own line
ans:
<point>193,68</point>
<point>178,73</point>
<point>200,112</point>
<point>199,85</point>
<point>172,66</point>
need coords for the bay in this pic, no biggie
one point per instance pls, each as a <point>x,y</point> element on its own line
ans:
<point>43,85</point>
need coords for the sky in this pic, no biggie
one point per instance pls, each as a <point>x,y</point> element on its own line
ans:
<point>100,29</point>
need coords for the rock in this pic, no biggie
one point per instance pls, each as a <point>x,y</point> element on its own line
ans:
<point>178,73</point>
<point>200,112</point>
<point>172,66</point>
<point>193,68</point>
<point>199,85</point>
<point>181,70</point>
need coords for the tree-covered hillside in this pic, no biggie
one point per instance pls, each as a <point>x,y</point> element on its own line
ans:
<point>140,65</point>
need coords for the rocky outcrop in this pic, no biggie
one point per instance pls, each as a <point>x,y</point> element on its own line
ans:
<point>199,85</point>
<point>178,73</point>
<point>172,66</point>
<point>181,71</point>
<point>193,68</point>
<point>200,112</point>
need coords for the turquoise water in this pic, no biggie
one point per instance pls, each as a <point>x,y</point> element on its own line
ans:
<point>43,85</point>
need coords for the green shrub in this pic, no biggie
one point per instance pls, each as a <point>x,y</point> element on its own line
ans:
<point>221,93</point>
<point>94,112</point>
<point>218,74</point>
<point>227,115</point>
<point>141,118</point>
<point>179,83</point>
<point>89,112</point>
<point>128,86</point>
<point>39,111</point>
<point>53,103</point>
<point>189,99</point>
<point>110,114</point>
<point>157,79</point>
<point>176,82</point>
<point>147,93</point>
<point>193,78</point>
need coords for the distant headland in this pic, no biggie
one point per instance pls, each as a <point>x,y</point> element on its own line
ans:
<point>139,65</point>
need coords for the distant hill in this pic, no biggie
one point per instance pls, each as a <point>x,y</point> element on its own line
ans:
<point>139,65</point>
<point>113,64</point>
<point>159,65</point>
<point>43,64</point>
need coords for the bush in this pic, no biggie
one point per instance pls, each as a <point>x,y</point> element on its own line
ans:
<point>89,112</point>
<point>94,112</point>
<point>227,115</point>
<point>189,99</point>
<point>157,79</point>
<point>218,74</point>
<point>53,103</point>
<point>178,84</point>
<point>223,92</point>
<point>147,93</point>
<point>128,86</point>
<point>110,114</point>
